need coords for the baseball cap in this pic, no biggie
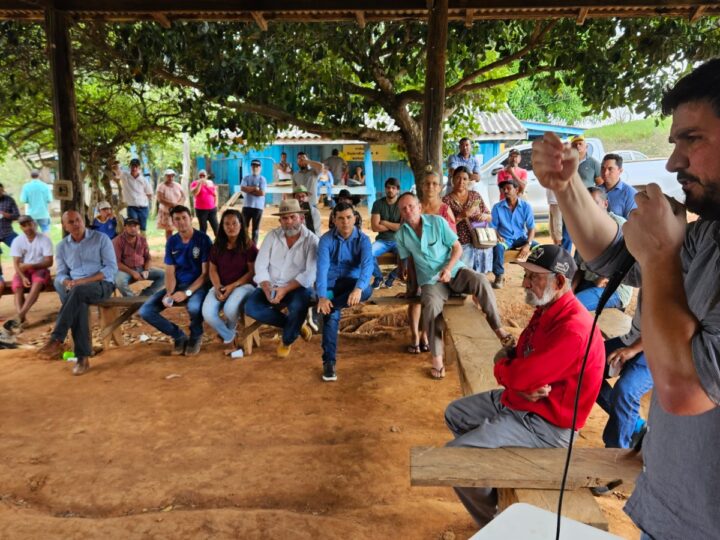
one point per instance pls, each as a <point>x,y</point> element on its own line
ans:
<point>300,189</point>
<point>255,163</point>
<point>577,138</point>
<point>511,181</point>
<point>131,221</point>
<point>169,172</point>
<point>550,258</point>
<point>25,219</point>
<point>135,162</point>
<point>514,151</point>
<point>102,205</point>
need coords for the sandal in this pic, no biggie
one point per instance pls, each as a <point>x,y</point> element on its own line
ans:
<point>437,373</point>
<point>414,349</point>
<point>508,341</point>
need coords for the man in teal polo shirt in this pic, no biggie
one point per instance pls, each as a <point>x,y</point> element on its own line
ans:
<point>434,251</point>
<point>37,195</point>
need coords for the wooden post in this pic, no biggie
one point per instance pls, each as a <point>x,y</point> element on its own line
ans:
<point>64,110</point>
<point>435,84</point>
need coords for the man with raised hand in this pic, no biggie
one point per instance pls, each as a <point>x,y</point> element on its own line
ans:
<point>676,494</point>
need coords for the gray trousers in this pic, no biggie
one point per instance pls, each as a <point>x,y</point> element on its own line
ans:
<point>433,298</point>
<point>481,421</point>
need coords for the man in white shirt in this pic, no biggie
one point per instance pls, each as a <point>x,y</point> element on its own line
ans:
<point>136,193</point>
<point>32,254</point>
<point>285,272</point>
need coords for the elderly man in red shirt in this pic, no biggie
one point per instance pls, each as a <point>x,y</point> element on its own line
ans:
<point>539,375</point>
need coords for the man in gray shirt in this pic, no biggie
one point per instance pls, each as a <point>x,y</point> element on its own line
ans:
<point>589,167</point>
<point>676,495</point>
<point>307,175</point>
<point>337,166</point>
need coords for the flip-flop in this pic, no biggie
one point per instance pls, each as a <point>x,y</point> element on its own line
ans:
<point>414,349</point>
<point>437,373</point>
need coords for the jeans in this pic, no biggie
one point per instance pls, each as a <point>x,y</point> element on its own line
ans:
<point>155,276</point>
<point>590,298</point>
<point>150,312</point>
<point>622,401</point>
<point>566,243</point>
<point>231,308</point>
<point>341,291</point>
<point>480,260</point>
<point>379,247</point>
<point>297,303</point>
<point>9,238</point>
<point>499,253</point>
<point>253,215</point>
<point>44,224</point>
<point>140,213</point>
<point>207,215</point>
<point>73,315</point>
<point>327,184</point>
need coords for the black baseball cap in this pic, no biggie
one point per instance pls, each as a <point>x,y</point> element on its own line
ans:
<point>255,162</point>
<point>511,181</point>
<point>131,221</point>
<point>550,258</point>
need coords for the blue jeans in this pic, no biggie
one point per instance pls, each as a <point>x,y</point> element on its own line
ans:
<point>622,401</point>
<point>230,307</point>
<point>499,253</point>
<point>140,213</point>
<point>150,312</point>
<point>155,276</point>
<point>379,247</point>
<point>341,291</point>
<point>566,243</point>
<point>590,298</point>
<point>9,238</point>
<point>44,224</point>
<point>297,303</point>
<point>327,184</point>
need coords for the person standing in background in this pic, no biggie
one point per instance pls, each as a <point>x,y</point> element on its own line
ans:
<point>136,193</point>
<point>37,195</point>
<point>337,166</point>
<point>253,187</point>
<point>206,199</point>
<point>169,194</point>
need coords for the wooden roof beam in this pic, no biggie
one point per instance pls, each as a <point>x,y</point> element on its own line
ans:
<point>360,18</point>
<point>697,13</point>
<point>469,17</point>
<point>259,20</point>
<point>161,19</point>
<point>582,16</point>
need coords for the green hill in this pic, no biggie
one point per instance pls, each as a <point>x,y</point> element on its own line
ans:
<point>642,135</point>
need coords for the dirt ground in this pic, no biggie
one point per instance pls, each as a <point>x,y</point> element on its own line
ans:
<point>151,446</point>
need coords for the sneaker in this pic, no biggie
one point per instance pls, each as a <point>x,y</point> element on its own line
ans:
<point>377,282</point>
<point>329,372</point>
<point>499,282</point>
<point>283,350</point>
<point>81,366</point>
<point>637,437</point>
<point>306,332</point>
<point>193,347</point>
<point>310,319</point>
<point>179,348</point>
<point>390,281</point>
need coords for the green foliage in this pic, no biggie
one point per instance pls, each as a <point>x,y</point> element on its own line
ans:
<point>531,100</point>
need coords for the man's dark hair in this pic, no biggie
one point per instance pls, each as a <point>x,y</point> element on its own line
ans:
<point>464,139</point>
<point>335,152</point>
<point>341,207</point>
<point>702,84</point>
<point>283,153</point>
<point>392,181</point>
<point>595,189</point>
<point>616,157</point>
<point>179,209</point>
<point>301,154</point>
<point>134,162</point>
<point>221,241</point>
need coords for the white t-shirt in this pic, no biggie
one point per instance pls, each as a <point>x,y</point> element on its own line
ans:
<point>31,252</point>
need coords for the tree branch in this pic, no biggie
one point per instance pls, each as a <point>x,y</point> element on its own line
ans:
<point>507,79</point>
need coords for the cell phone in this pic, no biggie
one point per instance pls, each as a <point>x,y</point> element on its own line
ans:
<point>273,294</point>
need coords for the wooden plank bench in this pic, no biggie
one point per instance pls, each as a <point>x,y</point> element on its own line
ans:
<point>116,310</point>
<point>472,344</point>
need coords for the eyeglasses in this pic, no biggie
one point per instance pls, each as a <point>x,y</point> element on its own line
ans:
<point>535,276</point>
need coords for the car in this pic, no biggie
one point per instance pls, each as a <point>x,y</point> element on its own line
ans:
<point>630,155</point>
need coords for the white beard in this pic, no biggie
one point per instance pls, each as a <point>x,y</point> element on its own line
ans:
<point>548,295</point>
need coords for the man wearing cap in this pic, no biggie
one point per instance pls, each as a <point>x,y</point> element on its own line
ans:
<point>37,195</point>
<point>344,269</point>
<point>285,271</point>
<point>589,168</point>
<point>465,158</point>
<point>253,186</point>
<point>32,254</point>
<point>136,193</point>
<point>540,376</point>
<point>514,222</point>
<point>86,268</point>
<point>186,270</point>
<point>169,194</point>
<point>513,171</point>
<point>105,222</point>
<point>313,220</point>
<point>428,245</point>
<point>620,196</point>
<point>307,175</point>
<point>133,258</point>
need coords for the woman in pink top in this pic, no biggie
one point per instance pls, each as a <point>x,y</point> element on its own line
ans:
<point>205,194</point>
<point>431,204</point>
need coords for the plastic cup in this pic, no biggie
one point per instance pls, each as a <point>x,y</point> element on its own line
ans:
<point>67,355</point>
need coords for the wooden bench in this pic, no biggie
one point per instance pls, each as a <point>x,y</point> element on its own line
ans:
<point>116,310</point>
<point>472,344</point>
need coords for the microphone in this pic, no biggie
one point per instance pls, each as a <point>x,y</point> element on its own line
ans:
<point>626,264</point>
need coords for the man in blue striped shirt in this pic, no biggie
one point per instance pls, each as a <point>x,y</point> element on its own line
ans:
<point>344,269</point>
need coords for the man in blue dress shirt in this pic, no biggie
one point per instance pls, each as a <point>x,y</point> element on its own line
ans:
<point>86,268</point>
<point>344,269</point>
<point>620,196</point>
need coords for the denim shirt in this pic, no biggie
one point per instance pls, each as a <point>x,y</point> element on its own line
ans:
<point>341,258</point>
<point>93,254</point>
<point>513,224</point>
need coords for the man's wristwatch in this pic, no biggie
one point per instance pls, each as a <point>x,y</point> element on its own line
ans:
<point>188,293</point>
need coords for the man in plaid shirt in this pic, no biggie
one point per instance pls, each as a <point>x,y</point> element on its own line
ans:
<point>8,213</point>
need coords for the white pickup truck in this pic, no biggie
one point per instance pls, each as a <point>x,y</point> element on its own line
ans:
<point>637,173</point>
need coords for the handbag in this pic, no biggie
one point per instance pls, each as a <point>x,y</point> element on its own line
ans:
<point>483,236</point>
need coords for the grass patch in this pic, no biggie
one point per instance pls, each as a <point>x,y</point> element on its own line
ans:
<point>644,135</point>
